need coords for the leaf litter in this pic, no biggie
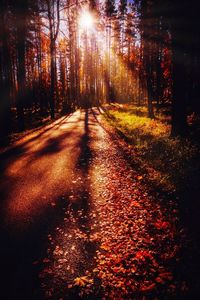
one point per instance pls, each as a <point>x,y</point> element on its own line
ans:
<point>137,236</point>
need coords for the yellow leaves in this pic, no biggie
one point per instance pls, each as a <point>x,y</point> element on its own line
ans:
<point>82,281</point>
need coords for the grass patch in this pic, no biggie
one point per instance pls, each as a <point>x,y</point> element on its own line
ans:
<point>172,163</point>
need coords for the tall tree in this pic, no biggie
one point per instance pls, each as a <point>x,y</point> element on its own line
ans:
<point>5,72</point>
<point>21,11</point>
<point>53,12</point>
<point>109,15</point>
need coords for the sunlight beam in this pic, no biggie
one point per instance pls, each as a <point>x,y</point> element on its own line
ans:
<point>86,20</point>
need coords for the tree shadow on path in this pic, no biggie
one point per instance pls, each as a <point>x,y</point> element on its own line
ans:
<point>22,247</point>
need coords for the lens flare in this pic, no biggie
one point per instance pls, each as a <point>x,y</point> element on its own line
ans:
<point>86,20</point>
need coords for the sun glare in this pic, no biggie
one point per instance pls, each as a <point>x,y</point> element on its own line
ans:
<point>86,20</point>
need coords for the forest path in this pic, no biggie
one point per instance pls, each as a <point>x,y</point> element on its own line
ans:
<point>72,207</point>
<point>40,176</point>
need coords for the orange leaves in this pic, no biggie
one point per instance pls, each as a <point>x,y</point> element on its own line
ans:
<point>130,255</point>
<point>135,203</point>
<point>132,232</point>
<point>82,281</point>
<point>143,255</point>
<point>105,247</point>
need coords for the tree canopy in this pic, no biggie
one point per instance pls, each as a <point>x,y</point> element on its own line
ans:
<point>141,52</point>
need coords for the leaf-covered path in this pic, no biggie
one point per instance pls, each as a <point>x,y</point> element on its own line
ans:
<point>78,222</point>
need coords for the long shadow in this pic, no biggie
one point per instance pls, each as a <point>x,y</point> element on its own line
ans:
<point>135,164</point>
<point>52,145</point>
<point>81,193</point>
<point>89,248</point>
<point>18,150</point>
<point>20,248</point>
<point>83,165</point>
<point>19,251</point>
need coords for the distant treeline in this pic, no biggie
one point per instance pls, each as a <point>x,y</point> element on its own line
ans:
<point>145,52</point>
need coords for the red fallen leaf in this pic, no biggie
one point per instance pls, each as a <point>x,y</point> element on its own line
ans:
<point>48,271</point>
<point>161,225</point>
<point>160,280</point>
<point>135,203</point>
<point>128,283</point>
<point>116,270</point>
<point>142,255</point>
<point>148,288</point>
<point>166,276</point>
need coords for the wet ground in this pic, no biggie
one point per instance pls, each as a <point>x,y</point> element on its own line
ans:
<point>76,220</point>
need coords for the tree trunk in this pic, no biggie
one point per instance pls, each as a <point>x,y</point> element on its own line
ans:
<point>52,95</point>
<point>21,10</point>
<point>5,75</point>
<point>179,117</point>
<point>179,58</point>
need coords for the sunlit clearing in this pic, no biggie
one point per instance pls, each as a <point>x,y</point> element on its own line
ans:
<point>86,20</point>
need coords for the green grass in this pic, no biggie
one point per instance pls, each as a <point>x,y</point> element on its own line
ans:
<point>170,163</point>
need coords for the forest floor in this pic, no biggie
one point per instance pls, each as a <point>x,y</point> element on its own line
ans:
<point>79,221</point>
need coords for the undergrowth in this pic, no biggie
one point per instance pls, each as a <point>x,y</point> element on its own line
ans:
<point>172,163</point>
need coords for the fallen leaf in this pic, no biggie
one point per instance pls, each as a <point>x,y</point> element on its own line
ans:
<point>81,281</point>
